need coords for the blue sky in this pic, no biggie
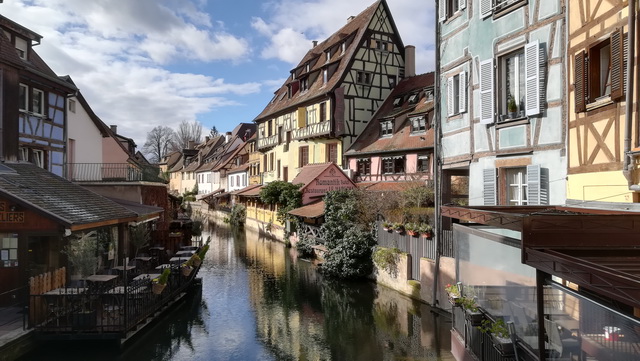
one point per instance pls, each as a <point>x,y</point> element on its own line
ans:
<point>144,63</point>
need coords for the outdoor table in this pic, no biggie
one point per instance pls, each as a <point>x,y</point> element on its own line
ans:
<point>178,259</point>
<point>147,275</point>
<point>185,252</point>
<point>121,268</point>
<point>163,266</point>
<point>144,259</point>
<point>101,278</point>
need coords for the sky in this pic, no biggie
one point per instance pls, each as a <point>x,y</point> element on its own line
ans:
<point>146,63</point>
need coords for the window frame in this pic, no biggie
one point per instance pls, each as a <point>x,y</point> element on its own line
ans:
<point>303,156</point>
<point>332,152</point>
<point>511,198</point>
<point>422,123</point>
<point>386,128</point>
<point>23,98</point>
<point>393,165</point>
<point>423,164</point>
<point>501,93</point>
<point>364,77</point>
<point>364,166</point>
<point>41,102</point>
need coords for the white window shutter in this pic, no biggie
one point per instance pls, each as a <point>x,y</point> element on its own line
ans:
<point>450,102</point>
<point>532,76</point>
<point>485,8</point>
<point>442,10</point>
<point>462,4</point>
<point>537,185</point>
<point>489,184</point>
<point>462,89</point>
<point>486,92</point>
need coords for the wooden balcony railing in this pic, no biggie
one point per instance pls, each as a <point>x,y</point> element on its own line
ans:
<point>313,130</point>
<point>265,142</point>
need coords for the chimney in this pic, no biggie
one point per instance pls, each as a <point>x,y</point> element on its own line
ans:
<point>350,18</point>
<point>191,144</point>
<point>114,129</point>
<point>409,61</point>
<point>227,136</point>
<point>315,43</point>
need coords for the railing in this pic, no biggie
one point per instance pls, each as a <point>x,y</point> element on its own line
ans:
<point>103,310</point>
<point>264,142</point>
<point>312,130</point>
<point>311,232</point>
<point>447,244</point>
<point>112,172</point>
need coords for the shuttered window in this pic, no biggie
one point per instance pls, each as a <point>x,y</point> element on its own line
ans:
<point>600,72</point>
<point>456,94</point>
<point>532,77</point>
<point>518,186</point>
<point>486,91</point>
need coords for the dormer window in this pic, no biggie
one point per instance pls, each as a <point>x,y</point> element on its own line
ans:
<point>328,55</point>
<point>343,47</point>
<point>325,76</point>
<point>306,67</point>
<point>22,47</point>
<point>386,128</point>
<point>304,84</point>
<point>413,98</point>
<point>397,102</point>
<point>418,124</point>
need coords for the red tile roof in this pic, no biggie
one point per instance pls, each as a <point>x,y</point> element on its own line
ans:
<point>310,172</point>
<point>313,210</point>
<point>354,30</point>
<point>402,139</point>
<point>250,191</point>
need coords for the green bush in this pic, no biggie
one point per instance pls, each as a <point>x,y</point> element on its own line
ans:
<point>304,246</point>
<point>164,277</point>
<point>387,259</point>
<point>238,215</point>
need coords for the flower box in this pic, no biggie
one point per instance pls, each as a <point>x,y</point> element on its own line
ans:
<point>474,317</point>
<point>412,233</point>
<point>157,288</point>
<point>427,235</point>
<point>186,271</point>
<point>503,345</point>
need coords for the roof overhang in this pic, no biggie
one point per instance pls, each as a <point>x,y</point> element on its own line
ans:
<point>314,210</point>
<point>595,248</point>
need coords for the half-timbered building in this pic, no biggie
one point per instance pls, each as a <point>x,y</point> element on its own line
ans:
<point>330,95</point>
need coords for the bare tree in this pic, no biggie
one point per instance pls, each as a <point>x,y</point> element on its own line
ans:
<point>187,132</point>
<point>158,143</point>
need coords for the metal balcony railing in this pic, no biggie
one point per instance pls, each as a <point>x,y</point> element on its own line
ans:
<point>112,172</point>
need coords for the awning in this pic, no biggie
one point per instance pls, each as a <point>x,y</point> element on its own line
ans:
<point>251,191</point>
<point>598,249</point>
<point>145,212</point>
<point>203,196</point>
<point>313,210</point>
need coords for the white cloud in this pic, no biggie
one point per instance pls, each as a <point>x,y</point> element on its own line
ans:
<point>290,34</point>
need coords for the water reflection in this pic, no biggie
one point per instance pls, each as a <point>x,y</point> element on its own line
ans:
<point>259,302</point>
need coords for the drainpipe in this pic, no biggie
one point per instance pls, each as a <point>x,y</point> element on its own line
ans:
<point>627,165</point>
<point>437,166</point>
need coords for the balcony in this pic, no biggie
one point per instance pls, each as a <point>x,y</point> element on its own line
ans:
<point>267,141</point>
<point>112,172</point>
<point>313,130</point>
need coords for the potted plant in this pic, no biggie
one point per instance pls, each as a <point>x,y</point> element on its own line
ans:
<point>426,230</point>
<point>471,310</point>
<point>398,227</point>
<point>512,107</point>
<point>139,237</point>
<point>195,259</point>
<point>499,335</point>
<point>412,229</point>
<point>158,284</point>
<point>387,226</point>
<point>453,293</point>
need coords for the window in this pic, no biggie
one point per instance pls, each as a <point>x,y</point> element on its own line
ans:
<point>516,181</point>
<point>343,47</point>
<point>272,161</point>
<point>600,72</point>
<point>303,154</point>
<point>24,98</point>
<point>418,124</point>
<point>414,98</point>
<point>38,158</point>
<point>448,8</point>
<point>512,87</point>
<point>393,165</point>
<point>457,94</point>
<point>328,56</point>
<point>325,76</point>
<point>382,45</point>
<point>311,116</point>
<point>332,153</point>
<point>306,67</point>
<point>23,154</point>
<point>397,102</point>
<point>386,128</point>
<point>22,47</point>
<point>37,101</point>
<point>392,81</point>
<point>9,248</point>
<point>423,163</point>
<point>363,78</point>
<point>323,111</point>
<point>72,105</point>
<point>518,91</point>
<point>364,166</point>
<point>525,185</point>
<point>304,84</point>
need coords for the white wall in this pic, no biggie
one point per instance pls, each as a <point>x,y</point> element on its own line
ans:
<point>88,140</point>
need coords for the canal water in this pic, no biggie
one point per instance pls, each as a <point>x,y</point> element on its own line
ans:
<point>260,302</point>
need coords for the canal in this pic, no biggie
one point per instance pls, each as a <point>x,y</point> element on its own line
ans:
<point>260,302</point>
